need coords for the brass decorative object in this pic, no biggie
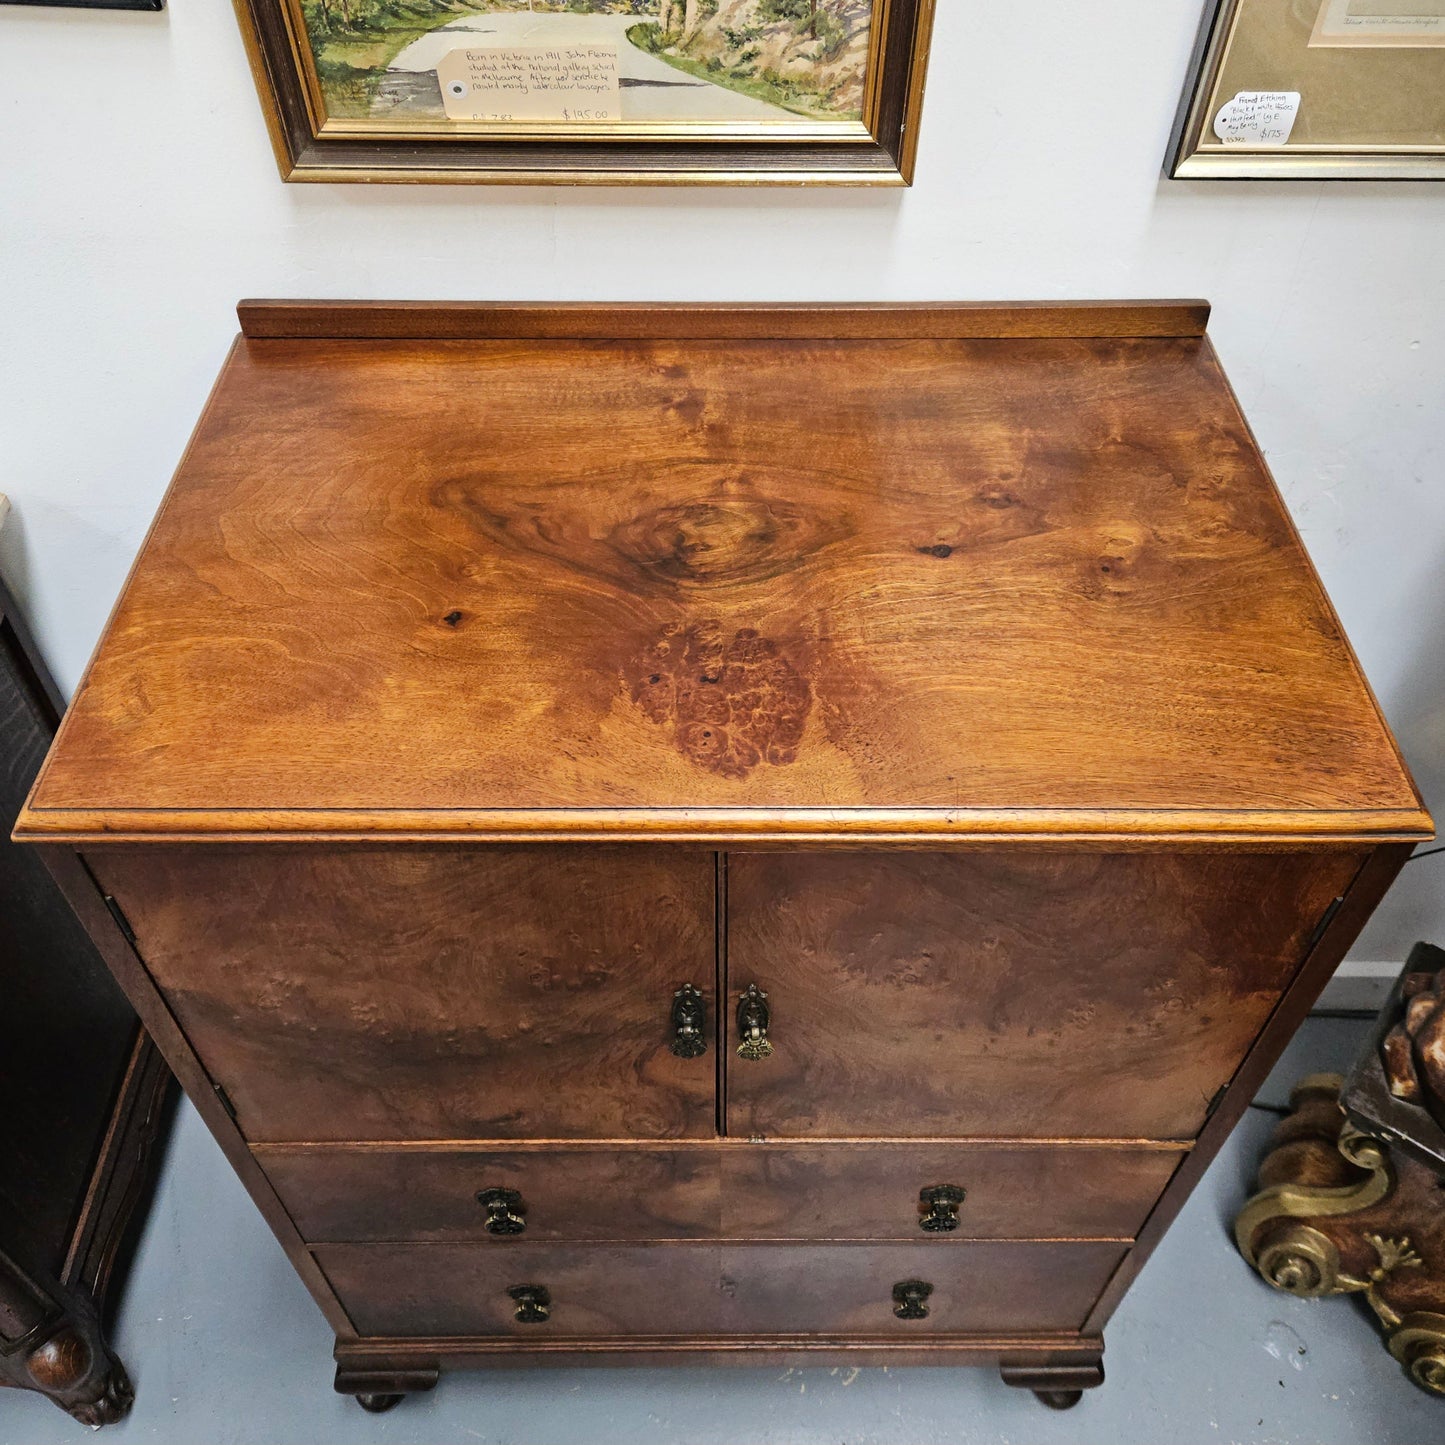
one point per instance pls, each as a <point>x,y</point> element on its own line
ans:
<point>505,1209</point>
<point>754,1016</point>
<point>689,1021</point>
<point>534,1303</point>
<point>1340,1213</point>
<point>909,1296</point>
<point>938,1208</point>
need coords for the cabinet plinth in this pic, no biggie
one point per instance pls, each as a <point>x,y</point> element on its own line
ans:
<point>671,835</point>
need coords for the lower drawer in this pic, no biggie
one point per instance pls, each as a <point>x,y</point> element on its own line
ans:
<point>729,1190</point>
<point>439,1290</point>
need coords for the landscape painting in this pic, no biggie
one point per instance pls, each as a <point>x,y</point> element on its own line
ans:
<point>678,62</point>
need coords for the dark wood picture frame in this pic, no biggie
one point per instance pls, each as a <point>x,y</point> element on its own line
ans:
<point>879,151</point>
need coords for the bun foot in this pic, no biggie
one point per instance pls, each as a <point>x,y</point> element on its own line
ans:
<point>381,1385</point>
<point>1059,1386</point>
<point>1059,1399</point>
<point>379,1404</point>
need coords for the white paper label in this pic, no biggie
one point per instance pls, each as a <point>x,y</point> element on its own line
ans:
<point>1258,118</point>
<point>576,82</point>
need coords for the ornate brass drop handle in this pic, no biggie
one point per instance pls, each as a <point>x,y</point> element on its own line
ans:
<point>908,1299</point>
<point>754,1016</point>
<point>534,1303</point>
<point>689,1023</point>
<point>505,1208</point>
<point>938,1208</point>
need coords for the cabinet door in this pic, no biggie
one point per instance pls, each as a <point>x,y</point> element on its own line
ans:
<point>997,994</point>
<point>433,993</point>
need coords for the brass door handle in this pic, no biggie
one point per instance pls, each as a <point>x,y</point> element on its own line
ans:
<point>689,1023</point>
<point>754,1016</point>
<point>908,1299</point>
<point>505,1208</point>
<point>938,1208</point>
<point>534,1303</point>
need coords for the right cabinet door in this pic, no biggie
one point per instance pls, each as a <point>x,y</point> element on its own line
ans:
<point>1021,994</point>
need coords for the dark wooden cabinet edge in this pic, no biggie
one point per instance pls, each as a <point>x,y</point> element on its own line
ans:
<point>65,1355</point>
<point>1341,925</point>
<point>80,888</point>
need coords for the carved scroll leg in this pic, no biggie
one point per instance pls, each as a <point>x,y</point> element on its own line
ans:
<point>1060,1387</point>
<point>379,1387</point>
<point>1418,1342</point>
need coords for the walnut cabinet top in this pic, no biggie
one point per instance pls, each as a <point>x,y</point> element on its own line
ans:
<point>907,574</point>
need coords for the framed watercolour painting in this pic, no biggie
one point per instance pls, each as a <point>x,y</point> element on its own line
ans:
<point>602,91</point>
<point>1317,89</point>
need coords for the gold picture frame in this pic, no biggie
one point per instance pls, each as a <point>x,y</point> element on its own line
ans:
<point>1316,90</point>
<point>713,92</point>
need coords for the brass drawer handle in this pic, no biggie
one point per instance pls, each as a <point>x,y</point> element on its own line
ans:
<point>754,1016</point>
<point>534,1303</point>
<point>938,1208</point>
<point>505,1208</point>
<point>689,1020</point>
<point>908,1299</point>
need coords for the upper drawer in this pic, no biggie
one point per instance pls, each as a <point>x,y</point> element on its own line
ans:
<point>721,1191</point>
<point>1032,994</point>
<point>433,992</point>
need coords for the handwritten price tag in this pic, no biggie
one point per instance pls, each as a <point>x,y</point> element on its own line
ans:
<point>1258,118</point>
<point>575,82</point>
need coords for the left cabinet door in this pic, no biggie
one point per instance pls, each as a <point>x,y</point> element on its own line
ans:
<point>418,992</point>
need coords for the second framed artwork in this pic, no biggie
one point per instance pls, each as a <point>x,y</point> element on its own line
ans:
<point>578,91</point>
<point>1317,90</point>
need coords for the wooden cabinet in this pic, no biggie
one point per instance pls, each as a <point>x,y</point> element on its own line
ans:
<point>684,833</point>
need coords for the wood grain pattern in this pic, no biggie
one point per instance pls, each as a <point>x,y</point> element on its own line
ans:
<point>354,1195</point>
<point>432,1290</point>
<point>695,321</point>
<point>432,993</point>
<point>1023,994</point>
<point>871,1191</point>
<point>991,587</point>
<point>717,1191</point>
<point>1327,951</point>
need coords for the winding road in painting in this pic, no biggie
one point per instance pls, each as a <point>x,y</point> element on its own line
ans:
<point>651,88</point>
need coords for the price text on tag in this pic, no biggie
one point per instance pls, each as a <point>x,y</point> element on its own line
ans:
<point>1258,118</point>
<point>531,82</point>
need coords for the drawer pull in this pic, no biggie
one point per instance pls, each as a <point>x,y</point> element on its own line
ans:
<point>505,1208</point>
<point>938,1208</point>
<point>754,1016</point>
<point>689,1020</point>
<point>908,1299</point>
<point>534,1303</point>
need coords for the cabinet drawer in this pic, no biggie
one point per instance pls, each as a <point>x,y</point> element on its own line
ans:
<point>439,1290</point>
<point>726,1191</point>
<point>431,1194</point>
<point>874,1191</point>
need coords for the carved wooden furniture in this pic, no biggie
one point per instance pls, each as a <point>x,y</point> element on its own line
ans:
<point>85,1091</point>
<point>723,833</point>
<point>1352,1196</point>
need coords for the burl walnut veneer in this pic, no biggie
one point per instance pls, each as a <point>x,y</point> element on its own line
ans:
<point>722,833</point>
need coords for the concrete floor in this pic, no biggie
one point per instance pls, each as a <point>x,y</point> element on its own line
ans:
<point>227,1348</point>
